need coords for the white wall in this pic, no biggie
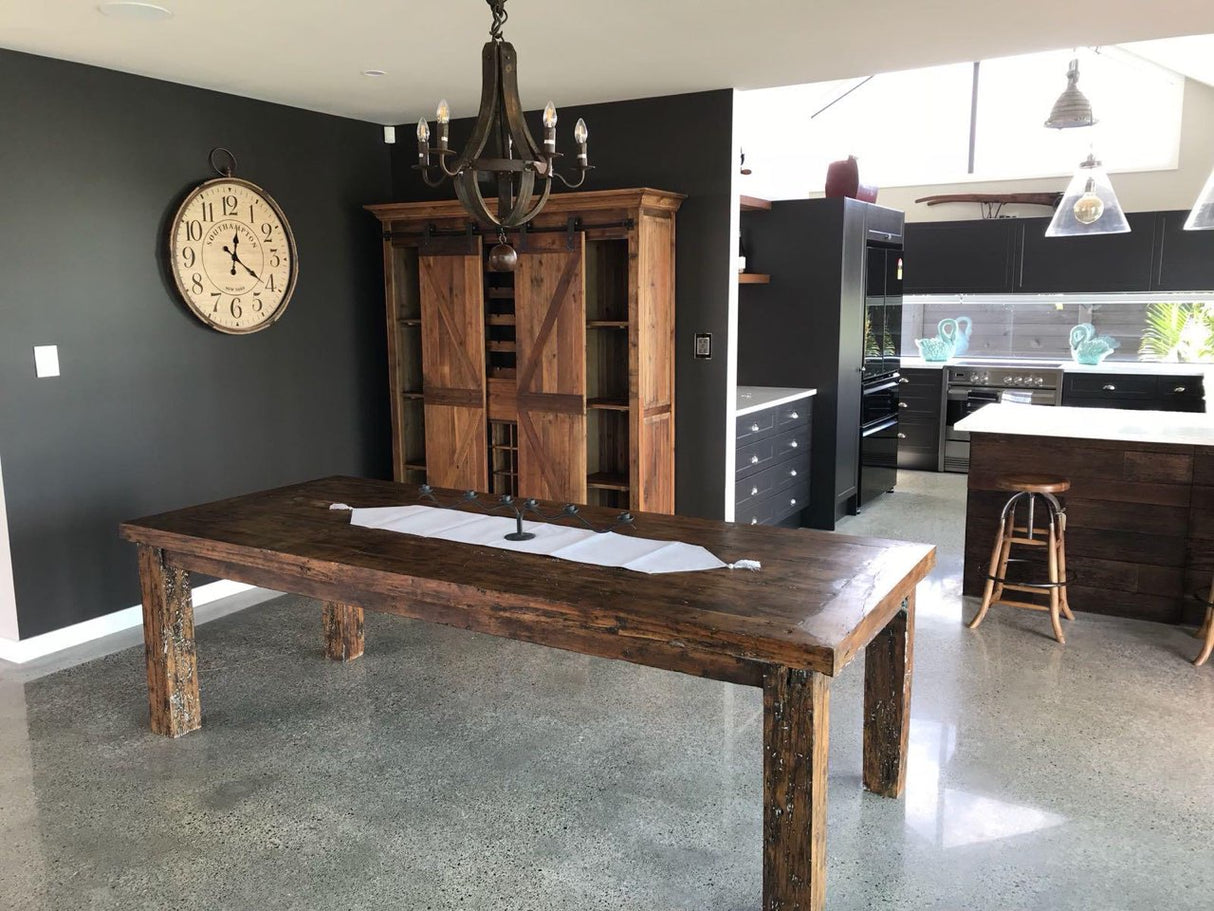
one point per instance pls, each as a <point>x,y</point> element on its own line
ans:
<point>1144,191</point>
<point>8,597</point>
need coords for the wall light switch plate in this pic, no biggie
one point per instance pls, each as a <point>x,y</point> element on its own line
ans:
<point>46,360</point>
<point>704,345</point>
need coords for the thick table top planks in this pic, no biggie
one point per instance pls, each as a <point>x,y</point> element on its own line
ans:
<point>818,599</point>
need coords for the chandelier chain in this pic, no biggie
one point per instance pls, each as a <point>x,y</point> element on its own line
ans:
<point>499,18</point>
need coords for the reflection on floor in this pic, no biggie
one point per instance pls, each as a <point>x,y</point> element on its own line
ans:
<point>449,770</point>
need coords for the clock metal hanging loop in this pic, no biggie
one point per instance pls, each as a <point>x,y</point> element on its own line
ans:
<point>228,171</point>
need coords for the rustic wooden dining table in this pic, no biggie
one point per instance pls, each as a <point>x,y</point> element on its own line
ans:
<point>788,628</point>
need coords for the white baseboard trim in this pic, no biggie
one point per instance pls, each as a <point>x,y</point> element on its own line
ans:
<point>23,650</point>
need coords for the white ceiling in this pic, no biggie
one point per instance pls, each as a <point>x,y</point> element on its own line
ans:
<point>311,53</point>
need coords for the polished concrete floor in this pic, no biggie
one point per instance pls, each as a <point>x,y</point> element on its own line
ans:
<point>447,770</point>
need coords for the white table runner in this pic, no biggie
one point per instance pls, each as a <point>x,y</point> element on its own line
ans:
<point>580,545</point>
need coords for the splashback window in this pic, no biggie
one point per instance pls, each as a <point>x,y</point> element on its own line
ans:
<point>1149,327</point>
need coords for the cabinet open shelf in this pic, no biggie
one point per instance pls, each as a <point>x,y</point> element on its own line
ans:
<point>603,480</point>
<point>500,319</point>
<point>753,278</point>
<point>607,324</point>
<point>502,293</point>
<point>415,466</point>
<point>754,204</point>
<point>412,395</point>
<point>607,404</point>
<point>410,322</point>
<point>502,346</point>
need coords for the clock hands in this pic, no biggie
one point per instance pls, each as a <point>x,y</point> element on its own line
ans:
<point>236,258</point>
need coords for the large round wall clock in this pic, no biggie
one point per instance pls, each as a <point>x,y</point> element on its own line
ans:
<point>232,255</point>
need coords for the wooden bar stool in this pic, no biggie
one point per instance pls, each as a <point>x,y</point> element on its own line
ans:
<point>1207,630</point>
<point>1036,495</point>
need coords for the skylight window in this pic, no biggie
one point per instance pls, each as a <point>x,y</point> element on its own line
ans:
<point>913,127</point>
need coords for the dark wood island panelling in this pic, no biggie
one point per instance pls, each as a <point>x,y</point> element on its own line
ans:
<point>1140,520</point>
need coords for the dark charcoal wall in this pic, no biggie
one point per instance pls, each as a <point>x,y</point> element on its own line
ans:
<point>154,411</point>
<point>682,143</point>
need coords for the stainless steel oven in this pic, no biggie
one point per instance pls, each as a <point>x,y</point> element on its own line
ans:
<point>976,384</point>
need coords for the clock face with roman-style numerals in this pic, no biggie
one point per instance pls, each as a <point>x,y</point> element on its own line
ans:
<point>232,255</point>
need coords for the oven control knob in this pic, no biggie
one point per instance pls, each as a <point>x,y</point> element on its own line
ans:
<point>1040,381</point>
<point>1007,379</point>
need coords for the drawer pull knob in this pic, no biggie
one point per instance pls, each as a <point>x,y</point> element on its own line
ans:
<point>794,444</point>
<point>1109,387</point>
<point>792,415</point>
<point>903,405</point>
<point>792,472</point>
<point>754,460</point>
<point>902,436</point>
<point>754,428</point>
<point>753,491</point>
<point>792,502</point>
<point>1179,389</point>
<point>754,520</point>
<point>903,380</point>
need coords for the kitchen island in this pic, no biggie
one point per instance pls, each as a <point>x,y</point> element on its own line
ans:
<point>1140,511</point>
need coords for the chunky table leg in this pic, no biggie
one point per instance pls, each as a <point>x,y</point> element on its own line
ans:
<point>796,710</point>
<point>343,631</point>
<point>168,638</point>
<point>888,665</point>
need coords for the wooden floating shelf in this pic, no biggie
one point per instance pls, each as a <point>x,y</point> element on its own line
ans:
<point>753,278</point>
<point>602,480</point>
<point>607,324</point>
<point>754,204</point>
<point>606,405</point>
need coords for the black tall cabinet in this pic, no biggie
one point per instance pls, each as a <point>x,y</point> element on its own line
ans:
<point>806,328</point>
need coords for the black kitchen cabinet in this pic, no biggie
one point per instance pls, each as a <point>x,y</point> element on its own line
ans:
<point>1104,262</point>
<point>773,463</point>
<point>1014,255</point>
<point>921,423</point>
<point>1134,392</point>
<point>959,257</point>
<point>1184,260</point>
<point>806,330</point>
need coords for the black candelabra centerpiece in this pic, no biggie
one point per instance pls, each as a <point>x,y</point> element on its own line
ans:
<point>508,505</point>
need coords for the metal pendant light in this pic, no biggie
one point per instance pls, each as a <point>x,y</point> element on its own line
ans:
<point>1202,216</point>
<point>1072,109</point>
<point>1089,205</point>
<point>501,150</point>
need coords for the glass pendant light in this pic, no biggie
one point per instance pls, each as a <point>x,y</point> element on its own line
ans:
<point>1202,216</point>
<point>1089,205</point>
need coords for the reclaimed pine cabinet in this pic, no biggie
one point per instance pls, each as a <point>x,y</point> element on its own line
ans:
<point>555,381</point>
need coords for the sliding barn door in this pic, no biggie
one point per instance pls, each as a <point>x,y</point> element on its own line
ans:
<point>453,362</point>
<point>550,313</point>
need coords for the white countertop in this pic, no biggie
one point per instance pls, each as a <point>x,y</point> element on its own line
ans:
<point>1179,428</point>
<point>1069,366</point>
<point>757,398</point>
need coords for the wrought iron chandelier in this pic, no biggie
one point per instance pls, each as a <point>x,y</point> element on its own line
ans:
<point>501,150</point>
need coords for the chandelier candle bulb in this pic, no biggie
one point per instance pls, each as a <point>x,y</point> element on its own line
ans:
<point>580,136</point>
<point>550,128</point>
<point>423,142</point>
<point>443,115</point>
